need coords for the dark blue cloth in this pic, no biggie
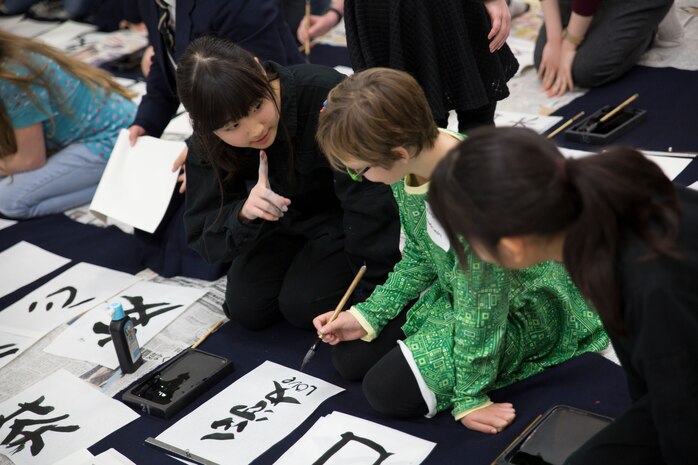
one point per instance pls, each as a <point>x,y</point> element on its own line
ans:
<point>589,382</point>
<point>670,97</point>
<point>329,55</point>
<point>256,25</point>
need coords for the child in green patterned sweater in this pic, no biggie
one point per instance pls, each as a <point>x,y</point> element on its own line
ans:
<point>469,331</point>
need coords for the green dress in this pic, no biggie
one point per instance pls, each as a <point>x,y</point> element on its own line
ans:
<point>479,329</point>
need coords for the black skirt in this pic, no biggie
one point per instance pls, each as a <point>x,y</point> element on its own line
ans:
<point>442,43</point>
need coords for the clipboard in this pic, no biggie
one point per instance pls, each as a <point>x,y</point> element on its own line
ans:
<point>552,437</point>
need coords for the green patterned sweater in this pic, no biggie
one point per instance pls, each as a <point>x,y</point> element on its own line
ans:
<point>481,328</point>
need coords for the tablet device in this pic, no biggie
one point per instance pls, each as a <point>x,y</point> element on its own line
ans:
<point>177,382</point>
<point>553,437</point>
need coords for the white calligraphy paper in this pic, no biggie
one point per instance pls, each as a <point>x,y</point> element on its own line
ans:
<point>79,457</point>
<point>85,457</point>
<point>66,296</point>
<point>6,223</point>
<point>23,263</point>
<point>11,345</point>
<point>523,51</point>
<point>341,439</point>
<point>151,306</point>
<point>138,181</point>
<point>57,417</point>
<point>250,415</point>
<point>67,33</point>
<point>671,164</point>
<point>538,123</point>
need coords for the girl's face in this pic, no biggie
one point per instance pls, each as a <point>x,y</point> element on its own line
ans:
<point>257,130</point>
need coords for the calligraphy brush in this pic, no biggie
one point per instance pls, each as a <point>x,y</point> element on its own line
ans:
<point>611,113</point>
<point>340,306</point>
<point>566,123</point>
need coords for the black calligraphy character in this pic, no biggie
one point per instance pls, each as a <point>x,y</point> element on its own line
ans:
<point>141,319</point>
<point>524,121</point>
<point>18,437</point>
<point>277,396</point>
<point>72,292</point>
<point>250,413</point>
<point>348,437</point>
<point>14,350</point>
<point>242,411</point>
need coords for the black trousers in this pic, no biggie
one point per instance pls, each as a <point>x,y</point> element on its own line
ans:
<point>286,275</point>
<point>388,382</point>
<point>471,119</point>
<point>630,440</point>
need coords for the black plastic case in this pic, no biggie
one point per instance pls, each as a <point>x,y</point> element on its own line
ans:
<point>553,437</point>
<point>173,385</point>
<point>591,131</point>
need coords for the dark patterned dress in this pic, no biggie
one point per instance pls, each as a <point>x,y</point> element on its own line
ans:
<point>442,43</point>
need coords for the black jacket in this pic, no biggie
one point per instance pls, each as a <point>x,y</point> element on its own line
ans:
<point>258,26</point>
<point>660,352</point>
<point>323,201</point>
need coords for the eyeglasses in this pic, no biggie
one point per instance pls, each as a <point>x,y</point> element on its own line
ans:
<point>357,176</point>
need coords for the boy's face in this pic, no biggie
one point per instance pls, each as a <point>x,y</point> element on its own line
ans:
<point>376,173</point>
<point>256,130</point>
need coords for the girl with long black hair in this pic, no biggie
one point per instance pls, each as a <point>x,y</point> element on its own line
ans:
<point>261,194</point>
<point>629,239</point>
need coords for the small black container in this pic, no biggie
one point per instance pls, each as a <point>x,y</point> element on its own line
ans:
<point>123,335</point>
<point>591,131</point>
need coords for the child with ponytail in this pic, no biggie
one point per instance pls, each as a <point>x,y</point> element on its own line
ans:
<point>629,239</point>
<point>469,331</point>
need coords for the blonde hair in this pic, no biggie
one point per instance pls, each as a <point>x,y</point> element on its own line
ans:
<point>15,50</point>
<point>370,113</point>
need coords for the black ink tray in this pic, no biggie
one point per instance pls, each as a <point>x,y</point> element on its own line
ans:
<point>174,384</point>
<point>553,437</point>
<point>591,131</point>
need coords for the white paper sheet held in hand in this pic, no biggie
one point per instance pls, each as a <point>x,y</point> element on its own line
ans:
<point>138,181</point>
<point>341,439</point>
<point>55,418</point>
<point>250,415</point>
<point>151,307</point>
<point>66,296</point>
<point>23,263</point>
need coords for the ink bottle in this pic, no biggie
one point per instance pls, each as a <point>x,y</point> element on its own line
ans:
<point>123,335</point>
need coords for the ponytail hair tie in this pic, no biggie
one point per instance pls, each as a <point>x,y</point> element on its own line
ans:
<point>324,105</point>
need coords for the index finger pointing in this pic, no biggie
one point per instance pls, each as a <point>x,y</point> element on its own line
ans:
<point>263,169</point>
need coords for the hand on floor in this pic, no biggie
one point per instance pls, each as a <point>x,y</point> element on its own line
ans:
<point>491,419</point>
